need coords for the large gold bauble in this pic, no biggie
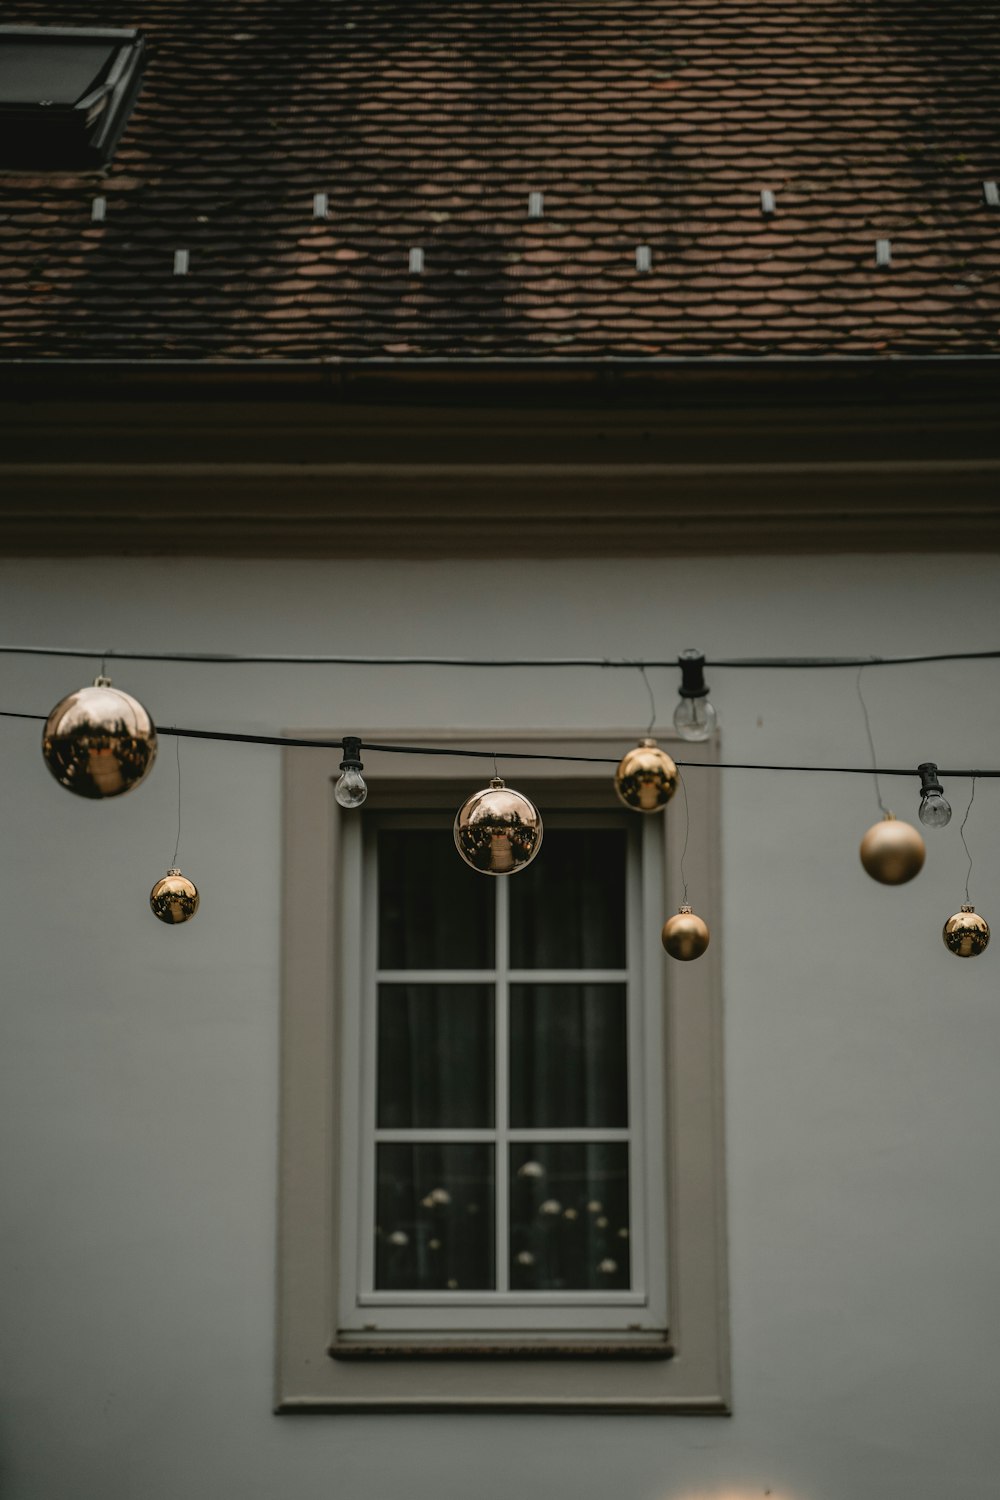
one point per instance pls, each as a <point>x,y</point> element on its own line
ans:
<point>498,831</point>
<point>99,741</point>
<point>685,936</point>
<point>966,934</point>
<point>893,852</point>
<point>174,898</point>
<point>646,777</point>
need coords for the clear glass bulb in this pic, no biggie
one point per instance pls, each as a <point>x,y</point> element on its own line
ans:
<point>351,789</point>
<point>695,719</point>
<point>935,810</point>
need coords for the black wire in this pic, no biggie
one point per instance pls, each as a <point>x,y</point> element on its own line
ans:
<point>177,846</point>
<point>210,658</point>
<point>291,742</point>
<point>968,873</point>
<point>871,742</point>
<point>652,702</point>
<point>687,835</point>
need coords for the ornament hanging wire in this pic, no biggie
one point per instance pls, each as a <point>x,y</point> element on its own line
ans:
<point>652,701</point>
<point>177,845</point>
<point>968,873</point>
<point>687,831</point>
<point>871,742</point>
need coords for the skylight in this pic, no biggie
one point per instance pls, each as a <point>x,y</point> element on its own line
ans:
<point>65,94</point>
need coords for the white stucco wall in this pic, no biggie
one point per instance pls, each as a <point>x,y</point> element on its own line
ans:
<point>138,1063</point>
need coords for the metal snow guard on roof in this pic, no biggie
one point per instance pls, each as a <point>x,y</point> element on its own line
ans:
<point>65,94</point>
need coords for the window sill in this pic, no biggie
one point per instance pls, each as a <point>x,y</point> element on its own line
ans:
<point>617,1349</point>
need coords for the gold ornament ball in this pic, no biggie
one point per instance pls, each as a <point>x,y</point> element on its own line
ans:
<point>174,898</point>
<point>498,831</point>
<point>646,777</point>
<point>892,852</point>
<point>966,934</point>
<point>685,936</point>
<point>99,741</point>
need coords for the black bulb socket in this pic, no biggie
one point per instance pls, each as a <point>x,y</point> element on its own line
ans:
<point>692,665</point>
<point>352,754</point>
<point>929,784</point>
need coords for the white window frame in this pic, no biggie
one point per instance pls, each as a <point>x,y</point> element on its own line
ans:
<point>366,1313</point>
<point>323,1366</point>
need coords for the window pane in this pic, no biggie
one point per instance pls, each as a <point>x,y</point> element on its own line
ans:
<point>567,909</point>
<point>435,1055</point>
<point>433,911</point>
<point>434,1224</point>
<point>569,1226</point>
<point>568,1055</point>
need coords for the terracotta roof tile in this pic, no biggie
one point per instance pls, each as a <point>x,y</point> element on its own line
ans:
<point>428,122</point>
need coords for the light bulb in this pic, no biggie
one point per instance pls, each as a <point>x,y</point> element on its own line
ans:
<point>695,719</point>
<point>935,810</point>
<point>351,789</point>
<point>694,716</point>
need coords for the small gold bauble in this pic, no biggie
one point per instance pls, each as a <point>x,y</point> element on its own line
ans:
<point>99,741</point>
<point>892,852</point>
<point>966,933</point>
<point>498,831</point>
<point>646,777</point>
<point>685,936</point>
<point>174,898</point>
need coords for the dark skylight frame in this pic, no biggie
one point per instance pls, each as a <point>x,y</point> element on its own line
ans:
<point>66,93</point>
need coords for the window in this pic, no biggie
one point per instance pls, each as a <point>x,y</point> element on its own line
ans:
<point>65,94</point>
<point>501,1146</point>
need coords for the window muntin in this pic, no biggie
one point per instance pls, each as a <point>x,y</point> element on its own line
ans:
<point>508,1172</point>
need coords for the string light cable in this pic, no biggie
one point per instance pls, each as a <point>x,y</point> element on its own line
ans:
<point>292,742</point>
<point>756,663</point>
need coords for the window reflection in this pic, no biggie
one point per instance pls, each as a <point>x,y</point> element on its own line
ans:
<point>569,1216</point>
<point>434,1217</point>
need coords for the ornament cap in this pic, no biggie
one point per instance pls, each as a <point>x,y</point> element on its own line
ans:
<point>101,681</point>
<point>497,783</point>
<point>967,906</point>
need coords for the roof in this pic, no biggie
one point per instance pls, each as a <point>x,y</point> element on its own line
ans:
<point>428,123</point>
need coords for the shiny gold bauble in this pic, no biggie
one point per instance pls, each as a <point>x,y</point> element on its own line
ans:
<point>966,933</point>
<point>646,777</point>
<point>893,852</point>
<point>497,830</point>
<point>174,898</point>
<point>685,936</point>
<point>99,742</point>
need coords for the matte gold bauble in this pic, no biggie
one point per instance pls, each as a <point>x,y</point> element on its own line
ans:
<point>685,936</point>
<point>892,852</point>
<point>99,741</point>
<point>646,777</point>
<point>174,898</point>
<point>966,933</point>
<point>497,830</point>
